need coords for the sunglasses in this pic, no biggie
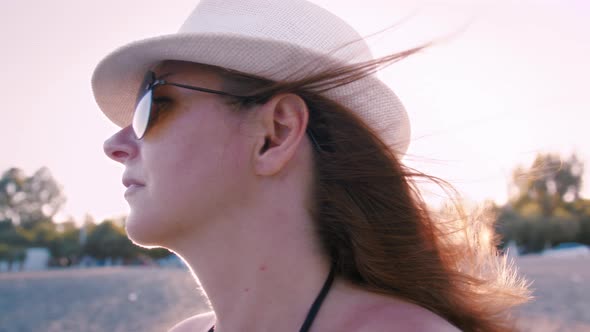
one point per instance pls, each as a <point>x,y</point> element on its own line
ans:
<point>145,109</point>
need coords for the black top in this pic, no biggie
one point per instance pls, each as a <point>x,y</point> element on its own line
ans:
<point>315,307</point>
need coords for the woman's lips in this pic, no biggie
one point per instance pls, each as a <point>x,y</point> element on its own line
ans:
<point>132,188</point>
<point>127,182</point>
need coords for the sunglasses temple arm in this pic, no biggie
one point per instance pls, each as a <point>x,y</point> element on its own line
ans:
<point>309,132</point>
<point>205,90</point>
<point>314,141</point>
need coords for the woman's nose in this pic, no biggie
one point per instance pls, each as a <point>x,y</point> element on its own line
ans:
<point>122,146</point>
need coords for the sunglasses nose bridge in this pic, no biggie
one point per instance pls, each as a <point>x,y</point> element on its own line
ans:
<point>156,83</point>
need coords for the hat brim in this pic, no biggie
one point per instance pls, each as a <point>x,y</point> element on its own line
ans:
<point>117,77</point>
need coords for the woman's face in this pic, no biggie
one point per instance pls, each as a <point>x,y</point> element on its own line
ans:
<point>191,165</point>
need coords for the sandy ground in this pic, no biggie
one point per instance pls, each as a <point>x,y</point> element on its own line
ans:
<point>97,300</point>
<point>562,294</point>
<point>147,299</point>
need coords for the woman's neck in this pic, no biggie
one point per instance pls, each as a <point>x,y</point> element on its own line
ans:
<point>260,273</point>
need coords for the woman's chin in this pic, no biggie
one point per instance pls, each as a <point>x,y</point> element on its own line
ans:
<point>150,231</point>
<point>143,232</point>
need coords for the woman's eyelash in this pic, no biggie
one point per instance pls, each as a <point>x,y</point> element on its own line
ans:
<point>161,100</point>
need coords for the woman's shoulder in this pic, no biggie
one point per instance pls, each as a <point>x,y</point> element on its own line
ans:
<point>407,317</point>
<point>368,312</point>
<point>197,323</point>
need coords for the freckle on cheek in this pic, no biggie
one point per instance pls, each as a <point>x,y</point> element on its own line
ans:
<point>246,290</point>
<point>262,267</point>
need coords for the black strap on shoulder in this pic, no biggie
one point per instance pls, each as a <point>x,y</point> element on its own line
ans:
<point>315,307</point>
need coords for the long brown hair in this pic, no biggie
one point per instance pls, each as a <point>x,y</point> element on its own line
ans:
<point>372,220</point>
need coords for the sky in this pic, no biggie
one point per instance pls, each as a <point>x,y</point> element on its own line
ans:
<point>511,83</point>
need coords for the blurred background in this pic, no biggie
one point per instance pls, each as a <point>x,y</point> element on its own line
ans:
<point>500,109</point>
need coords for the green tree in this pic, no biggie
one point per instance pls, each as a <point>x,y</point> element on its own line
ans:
<point>66,245</point>
<point>545,207</point>
<point>42,234</point>
<point>29,200</point>
<point>550,182</point>
<point>581,208</point>
<point>13,236</point>
<point>12,254</point>
<point>108,239</point>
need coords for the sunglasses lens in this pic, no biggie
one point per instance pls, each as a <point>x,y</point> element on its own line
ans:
<point>141,116</point>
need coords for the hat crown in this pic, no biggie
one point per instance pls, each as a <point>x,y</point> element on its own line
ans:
<point>296,23</point>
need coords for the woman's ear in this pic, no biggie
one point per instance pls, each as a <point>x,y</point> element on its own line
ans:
<point>283,121</point>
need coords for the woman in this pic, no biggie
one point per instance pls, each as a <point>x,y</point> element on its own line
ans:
<point>262,150</point>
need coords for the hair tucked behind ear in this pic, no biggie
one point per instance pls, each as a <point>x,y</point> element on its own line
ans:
<point>373,222</point>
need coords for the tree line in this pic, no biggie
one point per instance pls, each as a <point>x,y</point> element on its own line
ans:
<point>28,206</point>
<point>545,209</point>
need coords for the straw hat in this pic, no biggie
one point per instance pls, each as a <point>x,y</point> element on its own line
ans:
<point>278,40</point>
